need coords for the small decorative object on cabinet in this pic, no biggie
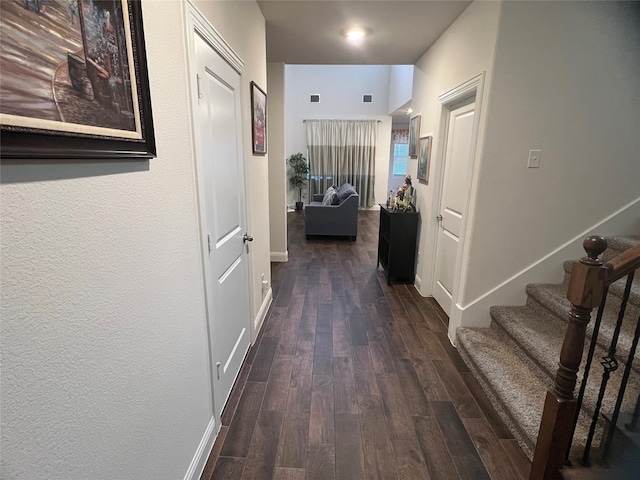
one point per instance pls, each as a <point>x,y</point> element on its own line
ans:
<point>397,240</point>
<point>404,196</point>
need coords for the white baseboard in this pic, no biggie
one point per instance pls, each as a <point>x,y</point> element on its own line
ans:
<point>625,221</point>
<point>262,313</point>
<point>204,450</point>
<point>280,256</point>
<point>418,283</point>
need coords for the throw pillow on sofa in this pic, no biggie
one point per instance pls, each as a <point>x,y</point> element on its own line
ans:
<point>345,192</point>
<point>329,196</point>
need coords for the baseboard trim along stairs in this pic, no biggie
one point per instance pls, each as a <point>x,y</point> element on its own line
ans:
<point>515,359</point>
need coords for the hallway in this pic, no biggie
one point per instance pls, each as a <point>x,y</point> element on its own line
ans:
<point>354,379</point>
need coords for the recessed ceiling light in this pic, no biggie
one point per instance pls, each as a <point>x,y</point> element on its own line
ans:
<point>355,34</point>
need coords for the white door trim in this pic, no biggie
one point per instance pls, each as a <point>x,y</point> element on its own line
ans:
<point>473,87</point>
<point>196,23</point>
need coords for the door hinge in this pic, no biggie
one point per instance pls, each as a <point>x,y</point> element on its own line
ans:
<point>200,95</point>
<point>209,242</point>
<point>218,369</point>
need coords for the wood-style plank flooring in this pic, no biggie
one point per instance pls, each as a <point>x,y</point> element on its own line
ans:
<point>353,379</point>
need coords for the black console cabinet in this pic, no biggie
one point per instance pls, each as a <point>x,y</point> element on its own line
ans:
<point>397,239</point>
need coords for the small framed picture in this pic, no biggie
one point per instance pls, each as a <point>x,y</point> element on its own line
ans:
<point>258,119</point>
<point>424,160</point>
<point>414,134</point>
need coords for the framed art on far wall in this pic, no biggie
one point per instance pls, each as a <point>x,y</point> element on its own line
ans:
<point>258,120</point>
<point>79,87</point>
<point>424,160</point>
<point>414,134</point>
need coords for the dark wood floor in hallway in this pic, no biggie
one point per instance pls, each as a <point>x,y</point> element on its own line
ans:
<point>353,379</point>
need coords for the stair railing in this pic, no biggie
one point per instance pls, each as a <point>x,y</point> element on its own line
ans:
<point>588,285</point>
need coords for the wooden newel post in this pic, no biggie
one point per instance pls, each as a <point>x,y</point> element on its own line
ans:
<point>586,286</point>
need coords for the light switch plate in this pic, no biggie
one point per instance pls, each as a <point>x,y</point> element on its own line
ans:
<point>534,158</point>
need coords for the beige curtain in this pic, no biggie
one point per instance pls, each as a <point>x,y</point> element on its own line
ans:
<point>342,151</point>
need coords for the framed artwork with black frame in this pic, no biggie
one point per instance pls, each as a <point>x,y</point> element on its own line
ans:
<point>76,85</point>
<point>414,134</point>
<point>258,120</point>
<point>424,160</point>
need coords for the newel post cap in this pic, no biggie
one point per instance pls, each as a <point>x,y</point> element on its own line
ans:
<point>586,284</point>
<point>594,245</point>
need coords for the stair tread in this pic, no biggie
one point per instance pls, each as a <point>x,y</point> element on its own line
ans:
<point>620,243</point>
<point>552,298</point>
<point>515,387</point>
<point>516,358</point>
<point>540,336</point>
<point>537,333</point>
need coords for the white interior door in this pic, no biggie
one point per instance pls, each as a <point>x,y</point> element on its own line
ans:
<point>454,200</point>
<point>223,216</point>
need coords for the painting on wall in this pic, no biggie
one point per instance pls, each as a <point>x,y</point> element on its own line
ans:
<point>74,81</point>
<point>414,134</point>
<point>424,161</point>
<point>258,119</point>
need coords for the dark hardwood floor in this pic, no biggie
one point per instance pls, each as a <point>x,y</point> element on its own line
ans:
<point>353,379</point>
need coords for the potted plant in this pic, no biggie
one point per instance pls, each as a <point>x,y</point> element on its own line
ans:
<point>298,171</point>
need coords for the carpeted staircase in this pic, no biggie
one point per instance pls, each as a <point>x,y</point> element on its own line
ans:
<point>516,358</point>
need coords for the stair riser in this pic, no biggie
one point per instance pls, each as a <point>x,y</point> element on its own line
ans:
<point>525,439</point>
<point>549,371</point>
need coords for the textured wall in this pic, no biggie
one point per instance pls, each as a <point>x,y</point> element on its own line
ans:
<point>464,51</point>
<point>400,86</point>
<point>278,184</point>
<point>104,346</point>
<point>565,81</point>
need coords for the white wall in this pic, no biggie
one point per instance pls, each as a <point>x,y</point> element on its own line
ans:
<point>464,51</point>
<point>340,88</point>
<point>577,110</point>
<point>400,86</point>
<point>104,345</point>
<point>278,184</point>
<point>562,81</point>
<point>580,105</point>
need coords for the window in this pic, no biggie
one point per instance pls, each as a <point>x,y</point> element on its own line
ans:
<point>400,154</point>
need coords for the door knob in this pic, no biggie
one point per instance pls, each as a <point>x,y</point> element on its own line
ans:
<point>247,238</point>
<point>439,218</point>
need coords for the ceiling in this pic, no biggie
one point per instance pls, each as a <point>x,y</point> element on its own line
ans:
<point>309,32</point>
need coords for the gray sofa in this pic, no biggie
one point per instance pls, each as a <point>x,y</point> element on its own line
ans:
<point>334,214</point>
